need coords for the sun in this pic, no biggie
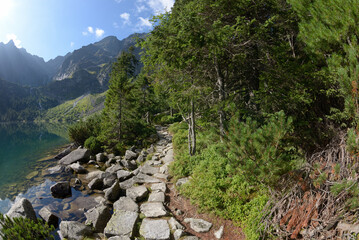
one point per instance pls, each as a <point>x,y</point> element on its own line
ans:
<point>5,7</point>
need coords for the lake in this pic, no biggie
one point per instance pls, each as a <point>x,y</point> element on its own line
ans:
<point>25,149</point>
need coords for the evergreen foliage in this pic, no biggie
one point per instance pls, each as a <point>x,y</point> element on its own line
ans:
<point>24,228</point>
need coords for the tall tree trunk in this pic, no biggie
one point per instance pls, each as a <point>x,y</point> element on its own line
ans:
<point>189,136</point>
<point>120,120</point>
<point>221,99</point>
<point>171,111</point>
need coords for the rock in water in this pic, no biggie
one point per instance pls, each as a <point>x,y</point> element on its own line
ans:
<point>49,217</point>
<point>61,190</point>
<point>22,208</point>
<point>122,223</point>
<point>155,229</point>
<point>98,217</point>
<point>74,230</point>
<point>81,155</point>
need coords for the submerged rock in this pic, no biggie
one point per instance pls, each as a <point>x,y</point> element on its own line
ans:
<point>61,190</point>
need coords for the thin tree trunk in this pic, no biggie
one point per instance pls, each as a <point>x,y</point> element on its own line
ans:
<point>120,120</point>
<point>193,129</point>
<point>189,122</point>
<point>171,112</point>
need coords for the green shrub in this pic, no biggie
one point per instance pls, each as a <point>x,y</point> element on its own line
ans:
<point>163,118</point>
<point>93,144</point>
<point>25,229</point>
<point>82,130</point>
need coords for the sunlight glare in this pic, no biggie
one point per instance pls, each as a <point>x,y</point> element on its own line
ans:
<point>5,7</point>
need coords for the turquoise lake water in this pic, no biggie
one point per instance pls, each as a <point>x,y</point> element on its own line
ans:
<point>24,149</point>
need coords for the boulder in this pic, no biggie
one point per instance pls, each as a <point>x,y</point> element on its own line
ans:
<point>119,238</point>
<point>113,193</point>
<point>128,183</point>
<point>81,155</point>
<point>218,234</point>
<point>56,169</point>
<point>122,223</point>
<point>181,181</point>
<point>76,167</point>
<point>61,190</point>
<point>65,152</point>
<point>129,164</point>
<point>178,234</point>
<point>114,168</point>
<point>109,179</point>
<point>198,225</point>
<point>96,184</point>
<point>100,157</point>
<point>162,176</point>
<point>144,178</point>
<point>153,209</point>
<point>155,229</point>
<point>175,224</point>
<point>126,204</point>
<point>161,187</point>
<point>22,208</point>
<point>130,155</point>
<point>123,175</point>
<point>137,193</point>
<point>46,214</point>
<point>73,230</point>
<point>146,169</point>
<point>190,238</point>
<point>95,174</point>
<point>157,197</point>
<point>98,217</point>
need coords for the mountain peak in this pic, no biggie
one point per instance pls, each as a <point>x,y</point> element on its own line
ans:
<point>11,43</point>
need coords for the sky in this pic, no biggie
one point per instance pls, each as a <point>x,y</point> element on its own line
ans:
<point>49,28</point>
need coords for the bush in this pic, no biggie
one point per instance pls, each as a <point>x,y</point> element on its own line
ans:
<point>82,130</point>
<point>93,144</point>
<point>23,228</point>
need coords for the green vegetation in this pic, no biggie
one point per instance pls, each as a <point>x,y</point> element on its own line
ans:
<point>76,109</point>
<point>24,228</point>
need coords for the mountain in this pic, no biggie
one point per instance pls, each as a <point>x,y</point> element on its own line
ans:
<point>20,67</point>
<point>87,69</point>
<point>18,103</point>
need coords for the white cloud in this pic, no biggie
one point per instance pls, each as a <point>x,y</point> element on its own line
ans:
<point>141,8</point>
<point>115,25</point>
<point>90,29</point>
<point>72,44</point>
<point>144,22</point>
<point>126,17</point>
<point>161,6</point>
<point>13,37</point>
<point>99,32</point>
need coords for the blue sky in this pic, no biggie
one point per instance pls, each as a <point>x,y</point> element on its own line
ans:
<point>49,28</point>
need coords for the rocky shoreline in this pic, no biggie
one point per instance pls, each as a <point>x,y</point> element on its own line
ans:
<point>124,196</point>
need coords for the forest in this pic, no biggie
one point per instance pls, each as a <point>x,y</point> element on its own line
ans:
<point>262,97</point>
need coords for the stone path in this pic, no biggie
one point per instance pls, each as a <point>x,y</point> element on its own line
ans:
<point>135,187</point>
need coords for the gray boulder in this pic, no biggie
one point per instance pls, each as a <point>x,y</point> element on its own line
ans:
<point>56,169</point>
<point>161,187</point>
<point>137,193</point>
<point>181,181</point>
<point>22,208</point>
<point>178,234</point>
<point>146,169</point>
<point>61,190</point>
<point>76,167</point>
<point>144,178</point>
<point>46,214</point>
<point>128,183</point>
<point>114,168</point>
<point>81,155</point>
<point>119,238</point>
<point>122,223</point>
<point>219,233</point>
<point>129,164</point>
<point>130,155</point>
<point>96,184</point>
<point>65,152</point>
<point>175,224</point>
<point>109,179</point>
<point>155,229</point>
<point>153,209</point>
<point>98,217</point>
<point>113,193</point>
<point>190,238</point>
<point>198,225</point>
<point>126,204</point>
<point>123,175</point>
<point>157,197</point>
<point>73,230</point>
<point>100,157</point>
